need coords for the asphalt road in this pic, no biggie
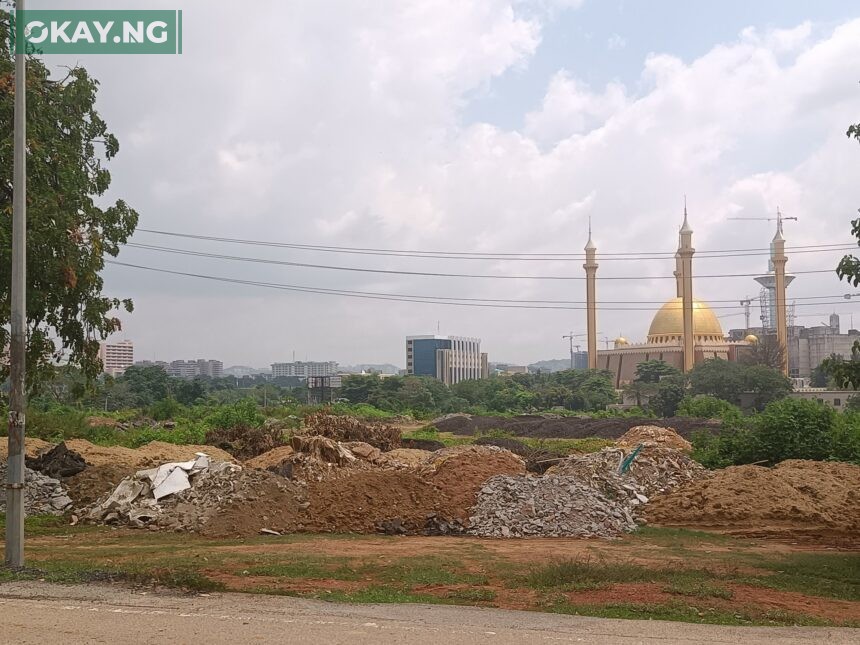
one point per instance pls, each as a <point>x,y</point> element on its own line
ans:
<point>43,613</point>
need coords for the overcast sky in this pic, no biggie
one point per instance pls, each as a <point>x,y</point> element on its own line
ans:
<point>473,125</point>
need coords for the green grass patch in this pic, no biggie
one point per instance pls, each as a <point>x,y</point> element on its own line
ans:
<point>586,573</point>
<point>684,612</point>
<point>432,434</point>
<point>698,589</point>
<point>565,447</point>
<point>428,570</point>
<point>306,567</point>
<point>827,575</point>
<point>664,536</point>
<point>376,595</point>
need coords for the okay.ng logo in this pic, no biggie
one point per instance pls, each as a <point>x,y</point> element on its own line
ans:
<point>64,31</point>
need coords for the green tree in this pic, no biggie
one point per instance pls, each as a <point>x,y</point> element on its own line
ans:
<point>670,392</point>
<point>729,381</point>
<point>146,385</point>
<point>767,351</point>
<point>847,372</point>
<point>708,407</point>
<point>68,144</point>
<point>652,371</point>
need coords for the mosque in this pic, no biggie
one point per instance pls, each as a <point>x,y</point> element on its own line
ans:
<point>684,332</point>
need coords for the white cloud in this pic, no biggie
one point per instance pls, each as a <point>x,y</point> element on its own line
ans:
<point>345,130</point>
<point>615,42</point>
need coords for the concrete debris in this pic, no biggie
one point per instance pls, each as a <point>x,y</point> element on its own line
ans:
<point>323,449</point>
<point>344,428</point>
<point>546,506</point>
<point>58,462</point>
<point>655,469</point>
<point>178,495</point>
<point>43,495</point>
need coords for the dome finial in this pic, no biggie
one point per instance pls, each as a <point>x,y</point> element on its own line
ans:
<point>685,227</point>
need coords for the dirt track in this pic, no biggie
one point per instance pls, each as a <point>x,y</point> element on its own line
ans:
<point>541,427</point>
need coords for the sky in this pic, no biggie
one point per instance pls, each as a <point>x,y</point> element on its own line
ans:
<point>490,126</point>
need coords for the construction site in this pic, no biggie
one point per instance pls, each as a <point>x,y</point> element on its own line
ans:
<point>617,525</point>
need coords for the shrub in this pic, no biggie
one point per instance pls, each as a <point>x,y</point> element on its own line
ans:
<point>795,429</point>
<point>242,414</point>
<point>705,406</point>
<point>846,438</point>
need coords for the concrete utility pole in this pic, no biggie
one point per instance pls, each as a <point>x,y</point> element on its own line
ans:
<point>779,259</point>
<point>590,267</point>
<point>18,322</point>
<point>685,252</point>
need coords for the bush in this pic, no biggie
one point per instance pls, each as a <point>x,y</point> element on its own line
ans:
<point>242,414</point>
<point>733,446</point>
<point>846,438</point>
<point>795,429</point>
<point>705,406</point>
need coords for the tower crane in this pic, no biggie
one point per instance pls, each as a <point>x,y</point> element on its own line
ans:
<point>570,337</point>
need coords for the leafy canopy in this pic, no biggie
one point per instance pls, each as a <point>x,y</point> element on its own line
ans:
<point>69,234</point>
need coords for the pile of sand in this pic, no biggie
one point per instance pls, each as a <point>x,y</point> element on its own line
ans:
<point>32,447</point>
<point>405,457</point>
<point>271,459</point>
<point>654,434</point>
<point>794,498</point>
<point>459,473</point>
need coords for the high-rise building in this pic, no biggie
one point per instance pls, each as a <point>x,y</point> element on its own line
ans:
<point>116,357</point>
<point>199,367</point>
<point>304,369</point>
<point>450,359</point>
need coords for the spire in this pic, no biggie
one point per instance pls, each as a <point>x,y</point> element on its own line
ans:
<point>685,227</point>
<point>590,246</point>
<point>778,237</point>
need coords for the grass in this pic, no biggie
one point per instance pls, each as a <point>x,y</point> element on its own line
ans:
<point>694,583</point>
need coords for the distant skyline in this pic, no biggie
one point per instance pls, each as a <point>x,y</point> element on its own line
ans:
<point>496,126</point>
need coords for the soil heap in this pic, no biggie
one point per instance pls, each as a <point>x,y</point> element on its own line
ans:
<point>344,428</point>
<point>43,495</point>
<point>654,434</point>
<point>795,498</point>
<point>546,506</point>
<point>460,472</point>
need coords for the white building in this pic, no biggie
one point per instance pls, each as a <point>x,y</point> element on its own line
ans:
<point>302,369</point>
<point>199,367</point>
<point>116,357</point>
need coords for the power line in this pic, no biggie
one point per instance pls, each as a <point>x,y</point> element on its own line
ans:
<point>476,255</point>
<point>238,258</point>
<point>470,302</point>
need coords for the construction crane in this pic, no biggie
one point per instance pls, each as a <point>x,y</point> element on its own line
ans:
<point>780,218</point>
<point>570,337</point>
<point>745,303</point>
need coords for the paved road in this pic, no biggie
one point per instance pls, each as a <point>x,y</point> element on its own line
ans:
<point>43,613</point>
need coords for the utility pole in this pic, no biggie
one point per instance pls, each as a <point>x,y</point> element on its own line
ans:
<point>18,321</point>
<point>745,303</point>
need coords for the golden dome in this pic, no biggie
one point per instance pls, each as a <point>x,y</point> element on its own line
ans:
<point>668,323</point>
<point>752,339</point>
<point>621,342</point>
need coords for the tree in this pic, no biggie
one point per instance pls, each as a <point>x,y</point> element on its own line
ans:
<point>794,429</point>
<point>767,351</point>
<point>653,370</point>
<point>848,372</point>
<point>145,384</point>
<point>729,381</point>
<point>68,144</point>
<point>670,392</point>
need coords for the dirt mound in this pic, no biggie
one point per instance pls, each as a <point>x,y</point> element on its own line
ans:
<point>245,443</point>
<point>460,472</point>
<point>342,428</point>
<point>151,454</point>
<point>421,444</point>
<point>794,498</point>
<point>551,426</point>
<point>32,447</point>
<point>366,501</point>
<point>654,434</point>
<point>407,457</point>
<point>94,481</point>
<point>272,458</point>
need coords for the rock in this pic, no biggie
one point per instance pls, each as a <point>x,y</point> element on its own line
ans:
<point>58,462</point>
<point>268,532</point>
<point>43,495</point>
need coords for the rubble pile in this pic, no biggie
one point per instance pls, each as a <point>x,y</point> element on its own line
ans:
<point>43,495</point>
<point>57,462</point>
<point>345,429</point>
<point>654,469</point>
<point>666,437</point>
<point>796,498</point>
<point>185,496</point>
<point>546,506</point>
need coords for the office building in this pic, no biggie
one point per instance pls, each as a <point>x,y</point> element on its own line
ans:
<point>116,357</point>
<point>304,369</point>
<point>450,359</point>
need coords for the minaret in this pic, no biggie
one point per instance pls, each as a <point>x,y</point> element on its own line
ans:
<point>685,254</point>
<point>590,267</point>
<point>779,259</point>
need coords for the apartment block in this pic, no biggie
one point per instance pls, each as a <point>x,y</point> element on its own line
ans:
<point>116,357</point>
